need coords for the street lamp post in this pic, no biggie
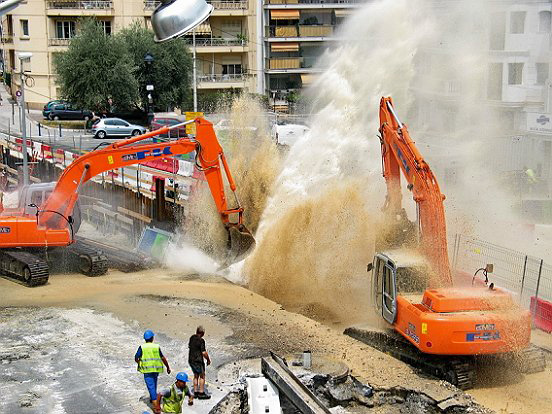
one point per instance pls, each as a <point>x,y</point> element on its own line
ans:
<point>148,59</point>
<point>24,56</point>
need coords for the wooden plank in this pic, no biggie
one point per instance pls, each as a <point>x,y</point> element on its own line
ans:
<point>274,369</point>
<point>134,214</point>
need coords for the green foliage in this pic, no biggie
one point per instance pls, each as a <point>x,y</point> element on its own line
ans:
<point>96,72</point>
<point>102,73</point>
<point>210,102</point>
<point>170,71</point>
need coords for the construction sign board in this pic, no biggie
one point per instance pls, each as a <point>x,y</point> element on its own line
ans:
<point>191,128</point>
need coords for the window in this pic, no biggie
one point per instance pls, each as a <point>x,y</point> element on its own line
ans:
<point>25,28</point>
<point>542,73</point>
<point>110,122</point>
<point>389,294</point>
<point>545,21</point>
<point>515,73</point>
<point>517,22</point>
<point>232,69</point>
<point>498,29</point>
<point>106,25</point>
<point>494,83</point>
<point>65,29</point>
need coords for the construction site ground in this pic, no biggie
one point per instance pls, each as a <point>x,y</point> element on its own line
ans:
<point>69,346</point>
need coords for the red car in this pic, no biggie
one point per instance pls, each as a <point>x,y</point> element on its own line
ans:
<point>160,121</point>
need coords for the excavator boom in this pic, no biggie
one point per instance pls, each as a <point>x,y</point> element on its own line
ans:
<point>399,153</point>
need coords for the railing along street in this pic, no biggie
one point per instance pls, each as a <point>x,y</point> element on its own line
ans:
<point>81,5</point>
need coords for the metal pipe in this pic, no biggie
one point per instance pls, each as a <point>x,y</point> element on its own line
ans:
<point>24,127</point>
<point>194,69</point>
<point>390,107</point>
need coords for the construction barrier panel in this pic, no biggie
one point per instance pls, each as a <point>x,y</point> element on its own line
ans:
<point>542,313</point>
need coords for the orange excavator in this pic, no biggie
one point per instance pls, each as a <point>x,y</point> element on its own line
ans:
<point>442,323</point>
<point>42,227</point>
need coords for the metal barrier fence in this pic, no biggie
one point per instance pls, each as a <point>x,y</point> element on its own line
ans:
<point>524,275</point>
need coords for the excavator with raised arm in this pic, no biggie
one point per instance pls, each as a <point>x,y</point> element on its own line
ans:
<point>440,322</point>
<point>43,226</point>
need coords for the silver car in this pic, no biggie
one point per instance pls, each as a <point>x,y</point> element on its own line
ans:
<point>115,127</point>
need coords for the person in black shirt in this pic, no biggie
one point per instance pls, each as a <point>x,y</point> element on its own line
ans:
<point>196,358</point>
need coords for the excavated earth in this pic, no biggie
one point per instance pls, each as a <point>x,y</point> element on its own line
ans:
<point>68,347</point>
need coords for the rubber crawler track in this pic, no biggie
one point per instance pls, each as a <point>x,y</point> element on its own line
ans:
<point>88,261</point>
<point>24,267</point>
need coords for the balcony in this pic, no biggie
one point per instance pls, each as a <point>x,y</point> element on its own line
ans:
<point>217,4</point>
<point>285,63</point>
<point>58,42</point>
<point>218,81</point>
<point>314,2</point>
<point>238,77</point>
<point>316,31</point>
<point>81,5</point>
<point>216,42</point>
<point>6,38</point>
<point>284,31</point>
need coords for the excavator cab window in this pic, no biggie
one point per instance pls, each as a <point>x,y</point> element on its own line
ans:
<point>389,310</point>
<point>384,287</point>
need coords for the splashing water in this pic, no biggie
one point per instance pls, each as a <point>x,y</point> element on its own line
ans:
<point>316,234</point>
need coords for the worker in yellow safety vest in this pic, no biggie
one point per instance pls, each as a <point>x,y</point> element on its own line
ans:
<point>150,362</point>
<point>171,399</point>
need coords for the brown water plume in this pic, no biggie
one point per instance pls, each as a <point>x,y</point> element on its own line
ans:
<point>314,260</point>
<point>254,162</point>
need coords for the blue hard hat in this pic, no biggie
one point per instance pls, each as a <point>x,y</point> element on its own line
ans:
<point>182,376</point>
<point>148,335</point>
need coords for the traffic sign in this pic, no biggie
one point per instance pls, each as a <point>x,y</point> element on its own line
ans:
<point>18,93</point>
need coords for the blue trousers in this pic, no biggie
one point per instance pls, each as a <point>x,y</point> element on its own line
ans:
<point>151,382</point>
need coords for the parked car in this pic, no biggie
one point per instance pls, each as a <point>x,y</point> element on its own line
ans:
<point>160,121</point>
<point>48,107</point>
<point>115,127</point>
<point>67,111</point>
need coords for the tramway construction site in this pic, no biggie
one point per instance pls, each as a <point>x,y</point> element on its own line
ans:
<point>375,263</point>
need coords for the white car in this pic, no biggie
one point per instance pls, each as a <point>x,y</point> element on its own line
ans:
<point>115,127</point>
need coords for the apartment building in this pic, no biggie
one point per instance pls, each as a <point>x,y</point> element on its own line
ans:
<point>513,89</point>
<point>292,35</point>
<point>225,60</point>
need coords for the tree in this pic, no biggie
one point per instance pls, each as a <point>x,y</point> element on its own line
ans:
<point>96,72</point>
<point>170,73</point>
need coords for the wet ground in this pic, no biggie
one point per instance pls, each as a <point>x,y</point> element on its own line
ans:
<point>68,346</point>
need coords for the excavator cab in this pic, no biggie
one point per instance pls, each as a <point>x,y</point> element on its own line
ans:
<point>396,272</point>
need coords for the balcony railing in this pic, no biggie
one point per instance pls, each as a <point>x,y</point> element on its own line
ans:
<point>301,31</point>
<point>315,31</point>
<point>81,5</point>
<point>229,4</point>
<point>6,38</point>
<point>217,4</point>
<point>284,31</point>
<point>216,42</point>
<point>239,77</point>
<point>58,42</point>
<point>326,2</point>
<point>285,63</point>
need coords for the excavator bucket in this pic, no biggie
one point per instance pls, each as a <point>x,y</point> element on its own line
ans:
<point>240,243</point>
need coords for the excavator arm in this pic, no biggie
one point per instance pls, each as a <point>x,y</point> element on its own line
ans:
<point>399,153</point>
<point>210,159</point>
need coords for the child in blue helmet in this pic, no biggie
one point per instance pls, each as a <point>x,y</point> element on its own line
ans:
<point>171,399</point>
<point>150,362</point>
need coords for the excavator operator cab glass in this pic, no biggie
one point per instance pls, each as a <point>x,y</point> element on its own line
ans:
<point>384,287</point>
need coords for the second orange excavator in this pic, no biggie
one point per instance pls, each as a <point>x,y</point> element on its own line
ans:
<point>443,322</point>
<point>41,230</point>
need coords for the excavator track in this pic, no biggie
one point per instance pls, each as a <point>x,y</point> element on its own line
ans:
<point>24,267</point>
<point>530,360</point>
<point>86,260</point>
<point>459,371</point>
